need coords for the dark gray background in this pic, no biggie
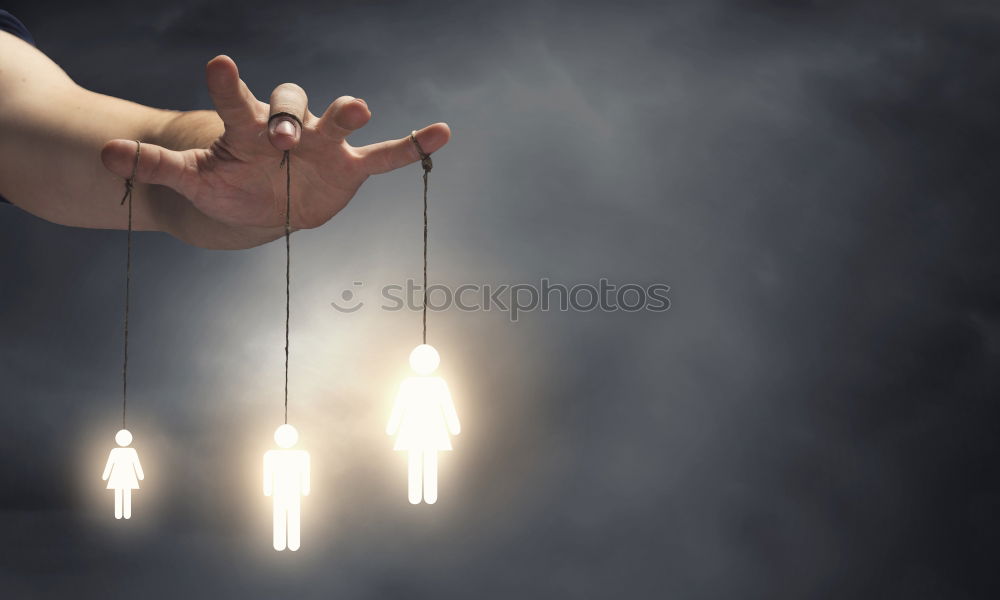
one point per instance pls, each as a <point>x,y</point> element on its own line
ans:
<point>815,417</point>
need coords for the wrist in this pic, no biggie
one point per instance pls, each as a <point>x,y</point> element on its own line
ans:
<point>183,130</point>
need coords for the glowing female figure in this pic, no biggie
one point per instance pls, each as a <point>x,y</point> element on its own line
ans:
<point>123,473</point>
<point>423,416</point>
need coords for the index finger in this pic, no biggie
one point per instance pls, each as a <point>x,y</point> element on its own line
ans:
<point>236,105</point>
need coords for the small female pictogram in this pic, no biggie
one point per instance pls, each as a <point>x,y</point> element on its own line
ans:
<point>123,473</point>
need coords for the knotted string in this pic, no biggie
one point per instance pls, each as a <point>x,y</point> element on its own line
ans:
<point>129,186</point>
<point>286,161</point>
<point>427,164</point>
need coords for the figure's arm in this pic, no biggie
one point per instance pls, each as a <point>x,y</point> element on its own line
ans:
<point>210,178</point>
<point>268,470</point>
<point>138,467</point>
<point>450,415</point>
<point>397,411</point>
<point>305,474</point>
<point>110,465</point>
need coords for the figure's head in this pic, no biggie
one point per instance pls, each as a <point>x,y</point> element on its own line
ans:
<point>286,436</point>
<point>424,359</point>
<point>123,437</point>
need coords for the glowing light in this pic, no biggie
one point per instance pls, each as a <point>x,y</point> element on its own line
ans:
<point>424,359</point>
<point>423,416</point>
<point>286,479</point>
<point>123,473</point>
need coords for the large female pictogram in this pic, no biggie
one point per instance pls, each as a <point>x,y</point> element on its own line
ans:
<point>422,419</point>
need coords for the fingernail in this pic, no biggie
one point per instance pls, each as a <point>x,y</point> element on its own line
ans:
<point>284,127</point>
<point>362,101</point>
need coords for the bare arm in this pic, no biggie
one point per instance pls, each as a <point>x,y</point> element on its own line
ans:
<point>50,151</point>
<point>209,178</point>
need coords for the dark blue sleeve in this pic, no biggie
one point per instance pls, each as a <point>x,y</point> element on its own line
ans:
<point>10,24</point>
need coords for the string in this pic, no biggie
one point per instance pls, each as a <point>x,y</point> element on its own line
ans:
<point>129,185</point>
<point>287,162</point>
<point>427,164</point>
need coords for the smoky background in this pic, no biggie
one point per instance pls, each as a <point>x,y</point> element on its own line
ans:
<point>813,417</point>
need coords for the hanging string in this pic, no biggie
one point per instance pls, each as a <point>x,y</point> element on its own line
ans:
<point>287,162</point>
<point>427,164</point>
<point>129,185</point>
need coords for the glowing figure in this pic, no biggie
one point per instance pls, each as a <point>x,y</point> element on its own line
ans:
<point>286,478</point>
<point>123,473</point>
<point>423,417</point>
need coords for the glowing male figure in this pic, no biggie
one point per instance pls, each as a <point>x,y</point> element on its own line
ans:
<point>423,416</point>
<point>286,478</point>
<point>123,473</point>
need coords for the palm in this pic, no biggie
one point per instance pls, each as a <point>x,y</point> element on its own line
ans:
<point>240,180</point>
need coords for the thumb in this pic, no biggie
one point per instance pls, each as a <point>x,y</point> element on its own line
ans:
<point>156,164</point>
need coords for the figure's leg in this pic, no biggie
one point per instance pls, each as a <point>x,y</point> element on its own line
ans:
<point>118,503</point>
<point>294,520</point>
<point>415,476</point>
<point>280,515</point>
<point>430,476</point>
<point>127,503</point>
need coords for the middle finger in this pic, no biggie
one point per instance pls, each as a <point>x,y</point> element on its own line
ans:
<point>289,104</point>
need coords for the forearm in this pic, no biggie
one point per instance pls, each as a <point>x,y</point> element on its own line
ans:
<point>51,135</point>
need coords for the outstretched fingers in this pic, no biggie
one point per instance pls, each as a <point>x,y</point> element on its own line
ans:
<point>393,154</point>
<point>177,170</point>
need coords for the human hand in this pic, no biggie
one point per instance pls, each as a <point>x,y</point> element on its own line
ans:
<point>237,181</point>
